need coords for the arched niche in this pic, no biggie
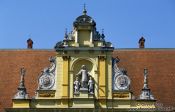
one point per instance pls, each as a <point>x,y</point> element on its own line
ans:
<point>89,63</point>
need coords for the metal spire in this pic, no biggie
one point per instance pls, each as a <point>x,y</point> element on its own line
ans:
<point>102,30</point>
<point>84,10</point>
<point>66,36</point>
<point>102,35</point>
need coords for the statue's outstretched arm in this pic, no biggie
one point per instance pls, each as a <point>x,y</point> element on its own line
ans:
<point>79,73</point>
<point>88,74</point>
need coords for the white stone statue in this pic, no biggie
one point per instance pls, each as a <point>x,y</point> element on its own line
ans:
<point>91,86</point>
<point>76,85</point>
<point>84,76</point>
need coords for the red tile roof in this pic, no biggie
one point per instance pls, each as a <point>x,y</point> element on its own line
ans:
<point>160,64</point>
<point>161,68</point>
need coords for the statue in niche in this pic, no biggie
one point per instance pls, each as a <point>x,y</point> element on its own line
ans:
<point>84,76</point>
<point>76,85</point>
<point>91,86</point>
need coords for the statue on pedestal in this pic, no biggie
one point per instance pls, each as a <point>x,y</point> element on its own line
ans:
<point>84,76</point>
<point>22,92</point>
<point>76,85</point>
<point>91,86</point>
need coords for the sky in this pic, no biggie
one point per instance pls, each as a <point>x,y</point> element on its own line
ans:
<point>123,21</point>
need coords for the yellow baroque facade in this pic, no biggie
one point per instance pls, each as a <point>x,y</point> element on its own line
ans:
<point>83,77</point>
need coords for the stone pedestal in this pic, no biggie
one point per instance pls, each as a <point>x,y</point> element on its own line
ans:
<point>83,94</point>
<point>83,99</point>
<point>21,103</point>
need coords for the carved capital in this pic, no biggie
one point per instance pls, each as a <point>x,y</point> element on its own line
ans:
<point>102,52</point>
<point>65,57</point>
<point>91,51</point>
<point>76,51</point>
<point>102,58</point>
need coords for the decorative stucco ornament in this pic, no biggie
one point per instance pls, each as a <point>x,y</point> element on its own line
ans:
<point>47,77</point>
<point>121,81</point>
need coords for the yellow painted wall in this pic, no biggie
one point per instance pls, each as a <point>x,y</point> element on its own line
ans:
<point>102,78</point>
<point>59,77</point>
<point>84,37</point>
<point>21,103</point>
<point>65,74</point>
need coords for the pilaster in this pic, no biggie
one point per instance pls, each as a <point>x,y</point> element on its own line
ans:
<point>102,77</point>
<point>65,83</point>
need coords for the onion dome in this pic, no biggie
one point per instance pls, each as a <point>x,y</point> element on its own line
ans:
<point>84,19</point>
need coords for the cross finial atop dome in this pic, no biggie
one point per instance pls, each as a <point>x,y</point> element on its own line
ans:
<point>84,10</point>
